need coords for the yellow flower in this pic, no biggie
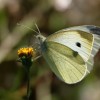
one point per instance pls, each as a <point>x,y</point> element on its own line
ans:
<point>28,52</point>
<point>26,56</point>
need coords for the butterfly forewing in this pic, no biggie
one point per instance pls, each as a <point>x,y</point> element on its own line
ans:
<point>95,31</point>
<point>72,38</point>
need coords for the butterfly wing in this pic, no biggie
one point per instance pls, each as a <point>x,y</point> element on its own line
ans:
<point>72,38</point>
<point>91,29</point>
<point>95,31</point>
<point>87,35</point>
<point>70,51</point>
<point>67,64</point>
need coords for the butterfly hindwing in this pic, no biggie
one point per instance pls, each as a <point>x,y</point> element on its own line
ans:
<point>69,67</point>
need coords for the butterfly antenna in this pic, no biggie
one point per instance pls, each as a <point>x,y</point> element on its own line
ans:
<point>30,28</point>
<point>39,33</point>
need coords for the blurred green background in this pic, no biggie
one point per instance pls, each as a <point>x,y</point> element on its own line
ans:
<point>50,16</point>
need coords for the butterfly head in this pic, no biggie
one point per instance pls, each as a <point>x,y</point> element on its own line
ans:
<point>41,38</point>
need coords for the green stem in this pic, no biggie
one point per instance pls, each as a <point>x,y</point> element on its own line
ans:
<point>28,84</point>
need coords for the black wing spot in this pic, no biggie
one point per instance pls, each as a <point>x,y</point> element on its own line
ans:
<point>75,54</point>
<point>78,44</point>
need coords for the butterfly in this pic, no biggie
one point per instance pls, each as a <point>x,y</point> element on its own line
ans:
<point>70,52</point>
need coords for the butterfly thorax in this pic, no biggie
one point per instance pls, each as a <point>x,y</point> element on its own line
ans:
<point>42,43</point>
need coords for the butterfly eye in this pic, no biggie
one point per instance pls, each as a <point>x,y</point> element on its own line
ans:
<point>78,44</point>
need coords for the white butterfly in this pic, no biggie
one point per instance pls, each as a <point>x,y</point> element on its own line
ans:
<point>69,52</point>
